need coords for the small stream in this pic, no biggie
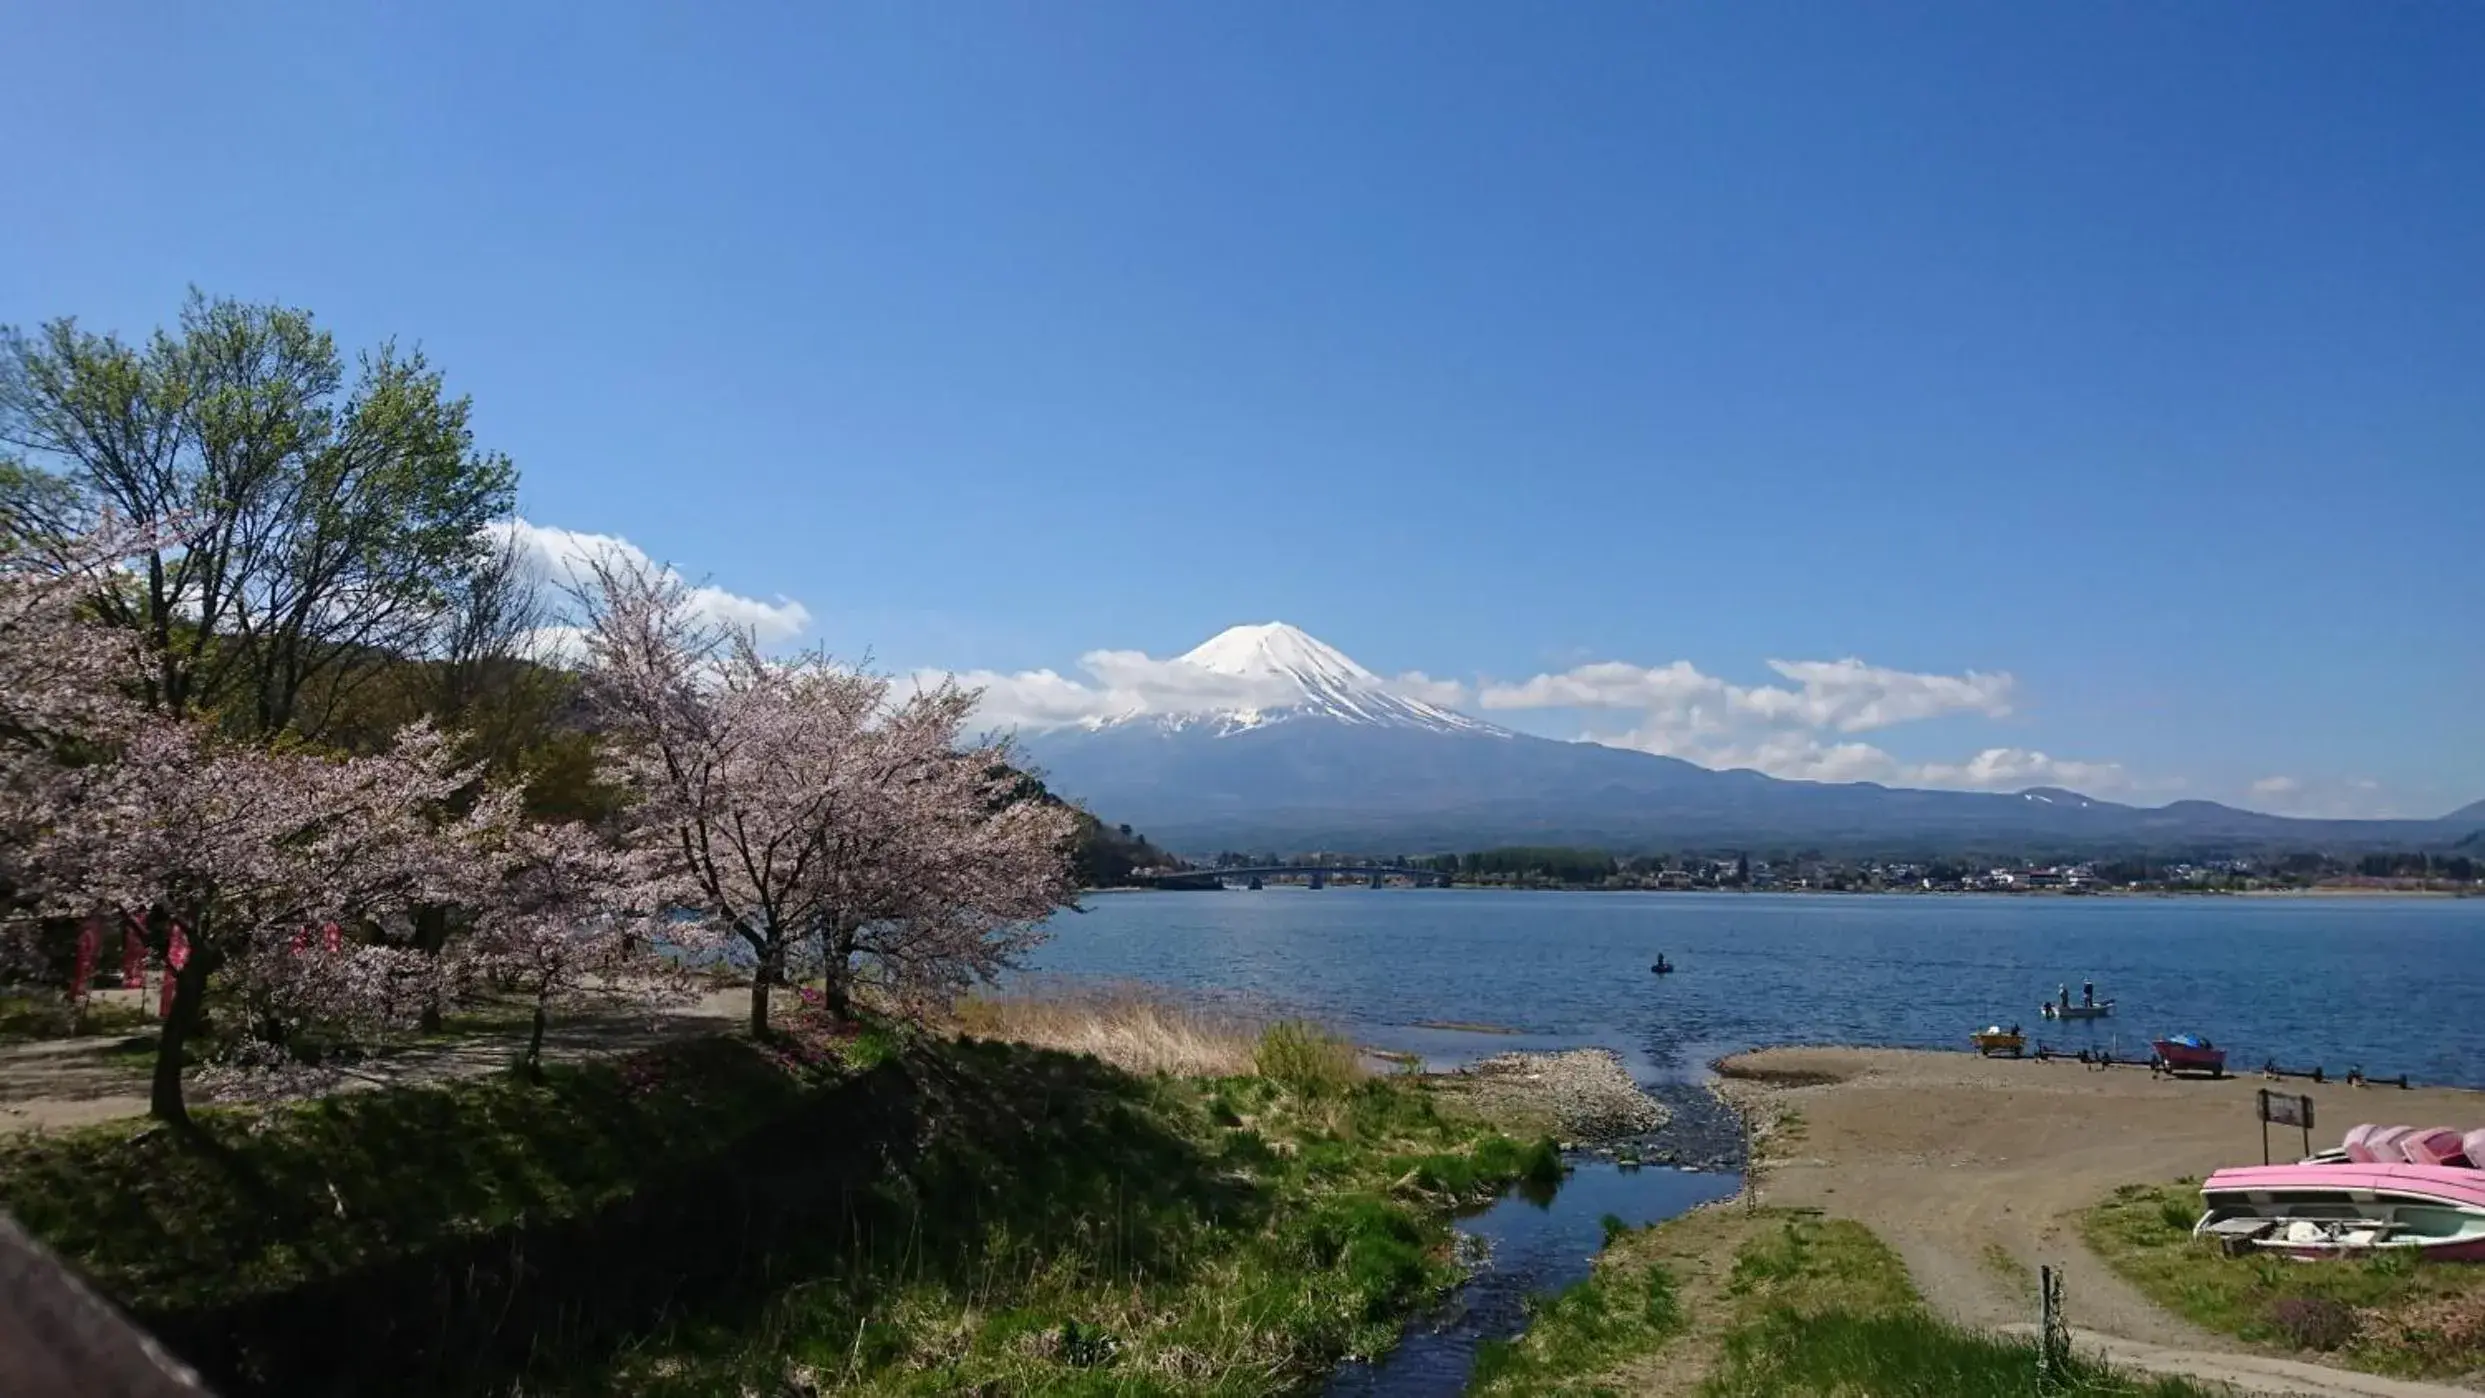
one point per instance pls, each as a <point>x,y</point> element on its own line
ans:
<point>1523,1247</point>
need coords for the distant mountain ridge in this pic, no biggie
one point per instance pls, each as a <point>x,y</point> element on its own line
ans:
<point>1321,753</point>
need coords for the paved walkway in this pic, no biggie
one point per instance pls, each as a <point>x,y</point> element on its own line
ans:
<point>54,1084</point>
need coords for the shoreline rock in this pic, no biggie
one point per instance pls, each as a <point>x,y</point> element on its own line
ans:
<point>1588,1091</point>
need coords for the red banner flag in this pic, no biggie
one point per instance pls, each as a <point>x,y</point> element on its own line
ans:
<point>133,955</point>
<point>176,956</point>
<point>90,945</point>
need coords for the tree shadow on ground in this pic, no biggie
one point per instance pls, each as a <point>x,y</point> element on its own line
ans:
<point>460,1240</point>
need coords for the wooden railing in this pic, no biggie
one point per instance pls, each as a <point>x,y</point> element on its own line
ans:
<point>60,1340</point>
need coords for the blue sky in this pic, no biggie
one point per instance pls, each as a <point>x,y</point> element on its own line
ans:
<point>2131,351</point>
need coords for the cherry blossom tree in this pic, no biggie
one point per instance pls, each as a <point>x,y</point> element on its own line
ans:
<point>238,849</point>
<point>63,700</point>
<point>812,811</point>
<point>571,920</point>
<point>62,675</point>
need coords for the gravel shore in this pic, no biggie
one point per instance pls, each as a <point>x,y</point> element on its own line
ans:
<point>1588,1091</point>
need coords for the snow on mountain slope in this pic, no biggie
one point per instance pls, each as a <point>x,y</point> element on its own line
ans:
<point>1294,676</point>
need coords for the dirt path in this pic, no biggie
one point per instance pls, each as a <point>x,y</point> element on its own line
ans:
<point>1976,1171</point>
<point>55,1084</point>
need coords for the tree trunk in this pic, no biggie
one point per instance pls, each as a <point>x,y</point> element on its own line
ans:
<point>431,934</point>
<point>535,1042</point>
<point>164,1100</point>
<point>834,995</point>
<point>837,974</point>
<point>771,970</point>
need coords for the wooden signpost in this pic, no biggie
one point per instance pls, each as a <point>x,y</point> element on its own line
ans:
<point>2284,1109</point>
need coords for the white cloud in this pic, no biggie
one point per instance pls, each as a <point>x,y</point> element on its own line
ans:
<point>1801,756</point>
<point>1685,713</point>
<point>1847,695</point>
<point>560,556</point>
<point>1126,682</point>
<point>1611,684</point>
<point>1854,697</point>
<point>1424,689</point>
<point>1030,699</point>
<point>2323,798</point>
<point>2009,769</point>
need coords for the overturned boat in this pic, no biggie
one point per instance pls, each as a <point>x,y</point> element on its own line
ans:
<point>2349,1208</point>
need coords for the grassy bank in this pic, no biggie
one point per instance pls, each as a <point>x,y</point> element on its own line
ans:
<point>1733,1305</point>
<point>919,1217</point>
<point>2390,1315</point>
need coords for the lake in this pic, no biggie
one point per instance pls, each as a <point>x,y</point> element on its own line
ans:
<point>2395,985</point>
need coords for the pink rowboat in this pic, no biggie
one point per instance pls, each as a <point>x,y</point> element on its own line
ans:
<point>2347,1210</point>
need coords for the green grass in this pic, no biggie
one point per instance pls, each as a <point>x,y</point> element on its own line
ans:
<point>25,1018</point>
<point>1576,1334</point>
<point>1823,1306</point>
<point>2391,1314</point>
<point>1901,1354</point>
<point>1807,1306</point>
<point>917,1217</point>
<point>1306,1059</point>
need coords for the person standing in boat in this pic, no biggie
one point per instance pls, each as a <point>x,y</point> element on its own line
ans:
<point>2088,994</point>
<point>2064,991</point>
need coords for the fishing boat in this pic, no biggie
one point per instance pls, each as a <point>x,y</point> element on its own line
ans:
<point>1997,1042</point>
<point>2344,1210</point>
<point>2099,1010</point>
<point>2190,1053</point>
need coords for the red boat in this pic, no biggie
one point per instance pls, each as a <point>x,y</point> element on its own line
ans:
<point>2190,1053</point>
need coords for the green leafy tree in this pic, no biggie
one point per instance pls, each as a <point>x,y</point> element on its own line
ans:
<point>325,518</point>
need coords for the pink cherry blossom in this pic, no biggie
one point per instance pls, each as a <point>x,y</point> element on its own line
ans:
<point>818,817</point>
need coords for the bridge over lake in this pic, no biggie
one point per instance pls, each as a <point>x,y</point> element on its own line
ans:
<point>1316,875</point>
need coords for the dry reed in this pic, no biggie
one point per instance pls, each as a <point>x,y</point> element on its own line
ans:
<point>1138,1028</point>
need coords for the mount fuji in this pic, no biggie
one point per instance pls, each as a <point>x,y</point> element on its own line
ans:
<point>1275,673</point>
<point>1276,740</point>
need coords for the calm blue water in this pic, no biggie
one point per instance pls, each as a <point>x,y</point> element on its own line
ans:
<point>2393,985</point>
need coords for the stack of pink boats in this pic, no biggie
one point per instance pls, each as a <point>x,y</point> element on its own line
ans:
<point>2385,1188</point>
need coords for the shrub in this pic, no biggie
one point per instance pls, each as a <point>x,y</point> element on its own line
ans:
<point>2445,1333</point>
<point>1306,1059</point>
<point>2312,1322</point>
<point>1542,1165</point>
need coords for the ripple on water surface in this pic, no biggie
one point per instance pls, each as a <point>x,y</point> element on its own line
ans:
<point>2335,981</point>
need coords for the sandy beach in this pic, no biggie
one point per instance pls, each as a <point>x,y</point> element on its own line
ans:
<point>1976,1171</point>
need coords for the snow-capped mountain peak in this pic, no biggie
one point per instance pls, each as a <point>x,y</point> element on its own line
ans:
<point>1273,672</point>
<point>1274,648</point>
